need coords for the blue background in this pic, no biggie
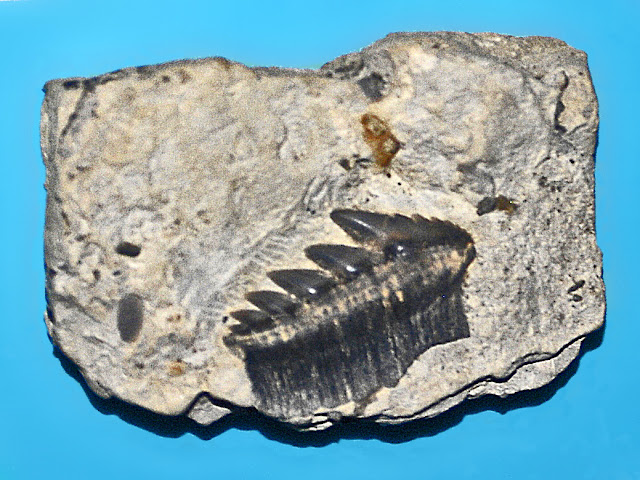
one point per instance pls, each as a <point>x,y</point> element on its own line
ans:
<point>585,425</point>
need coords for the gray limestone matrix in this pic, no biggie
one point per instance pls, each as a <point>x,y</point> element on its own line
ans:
<point>405,228</point>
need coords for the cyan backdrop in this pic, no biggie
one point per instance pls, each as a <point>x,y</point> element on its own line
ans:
<point>586,425</point>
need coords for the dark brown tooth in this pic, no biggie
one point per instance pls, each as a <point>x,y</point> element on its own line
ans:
<point>302,283</point>
<point>438,232</point>
<point>252,317</point>
<point>378,228</point>
<point>273,303</point>
<point>251,321</point>
<point>239,330</point>
<point>330,340</point>
<point>385,230</point>
<point>362,226</point>
<point>344,261</point>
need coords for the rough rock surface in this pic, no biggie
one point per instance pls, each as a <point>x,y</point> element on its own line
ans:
<point>174,189</point>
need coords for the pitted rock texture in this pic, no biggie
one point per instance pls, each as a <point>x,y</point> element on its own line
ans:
<point>176,190</point>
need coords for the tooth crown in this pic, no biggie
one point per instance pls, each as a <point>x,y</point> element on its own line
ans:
<point>340,337</point>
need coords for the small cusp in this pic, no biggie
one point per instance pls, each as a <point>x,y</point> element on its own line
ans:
<point>302,283</point>
<point>273,303</point>
<point>130,317</point>
<point>342,260</point>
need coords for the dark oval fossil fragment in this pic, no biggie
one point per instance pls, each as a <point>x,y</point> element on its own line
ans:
<point>340,338</point>
<point>128,249</point>
<point>130,317</point>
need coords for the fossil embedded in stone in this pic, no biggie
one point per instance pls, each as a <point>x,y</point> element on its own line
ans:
<point>220,237</point>
<point>359,332</point>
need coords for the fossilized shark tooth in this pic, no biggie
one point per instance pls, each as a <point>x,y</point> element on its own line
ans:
<point>336,341</point>
<point>221,237</point>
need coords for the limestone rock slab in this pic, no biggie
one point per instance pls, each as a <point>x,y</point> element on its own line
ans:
<point>174,190</point>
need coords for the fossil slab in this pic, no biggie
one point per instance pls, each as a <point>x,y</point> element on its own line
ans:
<point>407,227</point>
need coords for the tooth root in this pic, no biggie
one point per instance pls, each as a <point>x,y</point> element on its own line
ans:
<point>273,303</point>
<point>302,283</point>
<point>344,261</point>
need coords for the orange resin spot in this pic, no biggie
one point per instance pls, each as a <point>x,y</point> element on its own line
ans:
<point>384,145</point>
